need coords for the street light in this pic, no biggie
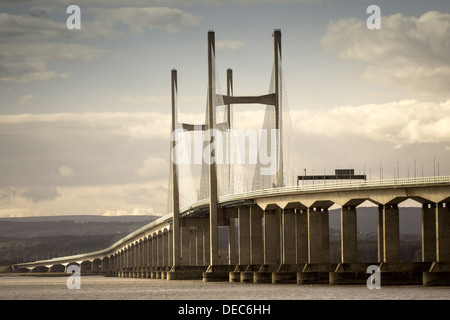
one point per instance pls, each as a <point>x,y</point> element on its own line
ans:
<point>414,168</point>
<point>434,167</point>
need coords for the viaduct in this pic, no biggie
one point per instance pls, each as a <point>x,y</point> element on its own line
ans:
<point>276,233</point>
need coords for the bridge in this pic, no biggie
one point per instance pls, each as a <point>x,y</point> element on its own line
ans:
<point>277,231</point>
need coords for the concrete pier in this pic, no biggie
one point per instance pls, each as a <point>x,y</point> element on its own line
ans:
<point>391,234</point>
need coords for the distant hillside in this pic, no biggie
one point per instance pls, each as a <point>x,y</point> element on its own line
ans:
<point>85,218</point>
<point>367,220</point>
<point>70,225</point>
<point>34,238</point>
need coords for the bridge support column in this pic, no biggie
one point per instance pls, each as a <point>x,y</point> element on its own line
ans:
<point>256,249</point>
<point>429,232</point>
<point>443,232</point>
<point>106,264</point>
<point>192,247</point>
<point>184,261</point>
<point>133,261</point>
<point>149,256</point>
<point>160,254</point>
<point>318,267</point>
<point>206,246</point>
<point>170,248</point>
<point>95,266</point>
<point>165,248</point>
<point>232,241</point>
<point>244,235</point>
<point>349,270</point>
<point>144,257</point>
<point>137,255</point>
<point>138,259</point>
<point>119,264</point>
<point>318,236</point>
<point>272,249</point>
<point>380,231</point>
<point>199,246</point>
<point>391,233</point>
<point>245,272</point>
<point>165,254</point>
<point>287,272</point>
<point>288,237</point>
<point>272,237</point>
<point>111,267</point>
<point>439,272</point>
<point>127,262</point>
<point>154,255</point>
<point>348,235</point>
<point>301,224</point>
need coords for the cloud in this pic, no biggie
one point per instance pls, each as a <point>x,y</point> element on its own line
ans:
<point>182,3</point>
<point>133,212</point>
<point>31,42</point>
<point>399,123</point>
<point>408,52</point>
<point>129,199</point>
<point>39,194</point>
<point>25,28</point>
<point>29,62</point>
<point>66,171</point>
<point>26,98</point>
<point>158,100</point>
<point>229,45</point>
<point>121,159</point>
<point>140,19</point>
<point>79,149</point>
<point>154,167</point>
<point>131,125</point>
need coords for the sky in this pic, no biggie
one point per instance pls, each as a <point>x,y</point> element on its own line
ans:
<point>85,113</point>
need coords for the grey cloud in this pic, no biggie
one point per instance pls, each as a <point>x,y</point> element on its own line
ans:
<point>29,43</point>
<point>408,52</point>
<point>29,62</point>
<point>181,3</point>
<point>40,194</point>
<point>398,124</point>
<point>37,13</point>
<point>56,150</point>
<point>6,194</point>
<point>139,19</point>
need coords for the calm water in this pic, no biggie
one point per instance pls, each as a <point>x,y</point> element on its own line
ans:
<point>108,288</point>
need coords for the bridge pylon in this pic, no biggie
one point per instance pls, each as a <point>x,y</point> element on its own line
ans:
<point>214,100</point>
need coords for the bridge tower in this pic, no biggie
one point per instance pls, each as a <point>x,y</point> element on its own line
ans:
<point>173,176</point>
<point>215,100</point>
<point>274,103</point>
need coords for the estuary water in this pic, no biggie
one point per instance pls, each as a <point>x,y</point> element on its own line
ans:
<point>112,288</point>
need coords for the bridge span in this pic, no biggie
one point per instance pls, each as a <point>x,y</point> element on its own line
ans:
<point>276,233</point>
<point>282,235</point>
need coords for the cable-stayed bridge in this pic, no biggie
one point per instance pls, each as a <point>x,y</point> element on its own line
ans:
<point>277,231</point>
